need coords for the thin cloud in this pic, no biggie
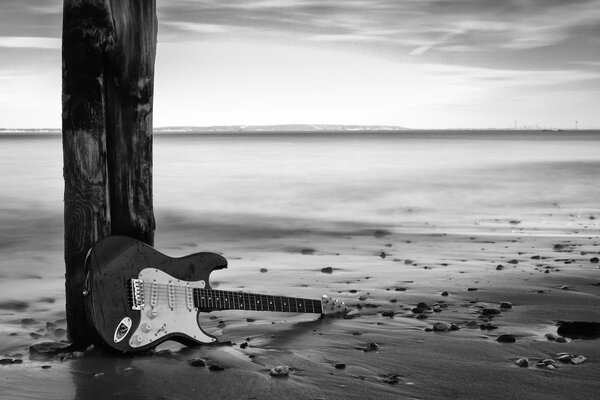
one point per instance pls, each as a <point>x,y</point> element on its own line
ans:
<point>30,42</point>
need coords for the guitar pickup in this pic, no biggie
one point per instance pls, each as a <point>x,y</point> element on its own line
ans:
<point>137,294</point>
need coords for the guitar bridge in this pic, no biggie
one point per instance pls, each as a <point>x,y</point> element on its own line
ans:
<point>137,294</point>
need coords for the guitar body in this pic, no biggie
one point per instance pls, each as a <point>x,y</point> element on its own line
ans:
<point>137,297</point>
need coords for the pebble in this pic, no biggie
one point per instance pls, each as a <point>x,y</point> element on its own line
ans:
<point>422,316</point>
<point>490,311</point>
<point>547,363</point>
<point>472,325</point>
<point>551,337</point>
<point>565,357</point>
<point>578,360</point>
<point>408,262</point>
<point>216,367</point>
<point>522,362</point>
<point>198,362</point>
<point>514,262</point>
<point>499,267</point>
<point>327,270</point>
<point>244,345</point>
<point>391,379</point>
<point>280,371</point>
<point>387,313</point>
<point>445,293</point>
<point>505,305</point>
<point>561,339</point>
<point>472,289</point>
<point>382,254</point>
<point>440,327</point>
<point>263,270</point>
<point>506,338</point>
<point>423,305</point>
<point>594,260</point>
<point>340,366</point>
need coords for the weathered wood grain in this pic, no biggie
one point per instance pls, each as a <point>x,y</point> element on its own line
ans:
<point>108,56</point>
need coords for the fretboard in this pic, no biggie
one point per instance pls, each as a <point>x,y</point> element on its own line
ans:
<point>209,299</point>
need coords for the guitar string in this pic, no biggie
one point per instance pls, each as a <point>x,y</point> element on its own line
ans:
<point>252,301</point>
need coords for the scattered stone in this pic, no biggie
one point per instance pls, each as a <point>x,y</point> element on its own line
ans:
<point>440,327</point>
<point>499,267</point>
<point>6,361</point>
<point>506,305</point>
<point>561,339</point>
<point>422,316</point>
<point>514,262</point>
<point>522,362</point>
<point>418,310</point>
<point>578,359</point>
<point>244,345</point>
<point>400,289</point>
<point>444,293</point>
<point>46,366</point>
<point>216,367</point>
<point>488,326</point>
<point>472,289</point>
<point>408,262</point>
<point>594,260</point>
<point>280,371</point>
<point>198,362</point>
<point>381,233</point>
<point>340,366</point>
<point>391,379</point>
<point>536,258</point>
<point>263,270</point>
<point>387,313</point>
<point>382,254</point>
<point>472,325</point>
<point>551,337</point>
<point>506,338</point>
<point>565,357</point>
<point>423,305</point>
<point>327,270</point>
<point>547,363</point>
<point>28,321</point>
<point>580,330</point>
<point>490,311</point>
<point>558,247</point>
<point>454,327</point>
<point>250,319</point>
<point>514,222</point>
<point>363,297</point>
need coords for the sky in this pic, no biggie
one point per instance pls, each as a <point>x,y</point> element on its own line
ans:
<point>411,63</point>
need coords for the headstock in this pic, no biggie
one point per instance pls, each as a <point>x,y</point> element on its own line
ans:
<point>333,307</point>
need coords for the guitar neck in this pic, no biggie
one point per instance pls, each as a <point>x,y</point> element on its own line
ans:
<point>209,299</point>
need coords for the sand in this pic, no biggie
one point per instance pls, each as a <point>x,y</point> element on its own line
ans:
<point>383,270</point>
<point>408,362</point>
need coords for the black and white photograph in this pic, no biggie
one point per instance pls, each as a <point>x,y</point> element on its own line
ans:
<point>299,199</point>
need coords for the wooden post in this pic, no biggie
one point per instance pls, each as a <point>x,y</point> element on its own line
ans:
<point>109,47</point>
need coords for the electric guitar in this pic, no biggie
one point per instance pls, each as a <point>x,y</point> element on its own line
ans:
<point>137,297</point>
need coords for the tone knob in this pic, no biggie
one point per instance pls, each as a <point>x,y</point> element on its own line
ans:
<point>138,339</point>
<point>152,313</point>
<point>146,327</point>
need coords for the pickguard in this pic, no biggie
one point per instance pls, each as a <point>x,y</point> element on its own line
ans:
<point>166,306</point>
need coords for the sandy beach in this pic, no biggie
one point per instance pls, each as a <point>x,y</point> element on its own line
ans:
<point>442,245</point>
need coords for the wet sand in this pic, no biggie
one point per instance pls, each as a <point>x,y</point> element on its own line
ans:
<point>549,273</point>
<point>408,360</point>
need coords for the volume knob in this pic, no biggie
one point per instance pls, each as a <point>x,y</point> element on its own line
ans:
<point>146,327</point>
<point>138,339</point>
<point>152,313</point>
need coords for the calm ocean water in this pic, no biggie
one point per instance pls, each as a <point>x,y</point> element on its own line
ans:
<point>392,179</point>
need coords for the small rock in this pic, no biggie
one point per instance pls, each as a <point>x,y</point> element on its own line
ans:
<point>422,316</point>
<point>558,247</point>
<point>17,361</point>
<point>472,289</point>
<point>418,310</point>
<point>387,313</point>
<point>546,363</point>
<point>499,267</point>
<point>454,327</point>
<point>307,251</point>
<point>327,270</point>
<point>594,260</point>
<point>578,360</point>
<point>216,367</point>
<point>505,305</point>
<point>340,366</point>
<point>363,297</point>
<point>198,362</point>
<point>472,325</point>
<point>423,305</point>
<point>565,358</point>
<point>536,257</point>
<point>382,254</point>
<point>490,311</point>
<point>391,379</point>
<point>522,362</point>
<point>561,339</point>
<point>244,345</point>
<point>506,338</point>
<point>514,262</point>
<point>445,293</point>
<point>551,337</point>
<point>263,270</point>
<point>280,371</point>
<point>6,361</point>
<point>440,327</point>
